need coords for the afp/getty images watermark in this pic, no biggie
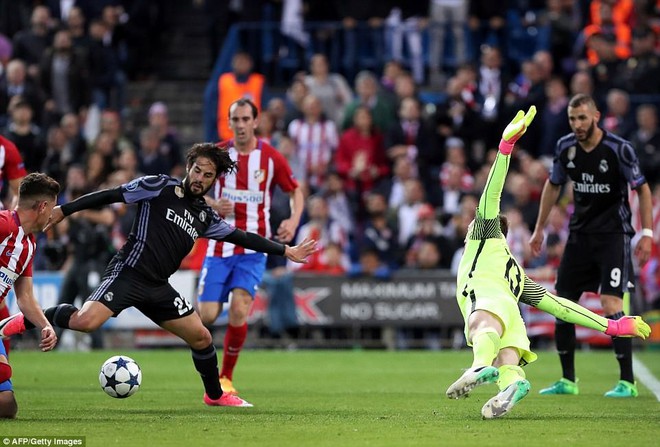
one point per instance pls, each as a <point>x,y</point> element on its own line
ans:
<point>48,441</point>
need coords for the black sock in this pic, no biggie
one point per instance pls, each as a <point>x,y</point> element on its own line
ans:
<point>206,364</point>
<point>60,315</point>
<point>565,339</point>
<point>623,351</point>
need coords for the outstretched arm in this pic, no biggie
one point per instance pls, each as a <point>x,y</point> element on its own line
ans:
<point>96,199</point>
<point>253,241</point>
<point>537,296</point>
<point>489,203</point>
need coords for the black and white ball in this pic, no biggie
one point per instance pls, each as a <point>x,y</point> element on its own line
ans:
<point>120,376</point>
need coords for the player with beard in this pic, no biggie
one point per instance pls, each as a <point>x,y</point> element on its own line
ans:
<point>171,215</point>
<point>602,166</point>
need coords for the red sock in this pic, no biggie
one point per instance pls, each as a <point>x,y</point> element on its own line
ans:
<point>234,339</point>
<point>4,313</point>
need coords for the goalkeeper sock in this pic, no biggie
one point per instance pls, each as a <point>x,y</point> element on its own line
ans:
<point>623,351</point>
<point>565,338</point>
<point>485,346</point>
<point>508,375</point>
<point>206,364</point>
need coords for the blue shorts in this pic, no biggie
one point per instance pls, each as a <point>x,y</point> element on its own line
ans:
<point>221,275</point>
<point>6,385</point>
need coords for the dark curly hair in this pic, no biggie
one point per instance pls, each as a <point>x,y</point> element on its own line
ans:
<point>219,156</point>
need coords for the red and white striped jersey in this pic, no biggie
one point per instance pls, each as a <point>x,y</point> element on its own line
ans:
<point>16,251</point>
<point>11,163</point>
<point>315,146</point>
<point>251,189</point>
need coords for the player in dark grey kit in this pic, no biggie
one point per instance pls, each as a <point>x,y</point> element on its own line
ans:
<point>602,167</point>
<point>171,215</point>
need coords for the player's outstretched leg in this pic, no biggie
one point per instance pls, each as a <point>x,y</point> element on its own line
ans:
<point>471,379</point>
<point>503,402</point>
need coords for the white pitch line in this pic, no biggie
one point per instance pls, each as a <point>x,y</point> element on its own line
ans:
<point>646,377</point>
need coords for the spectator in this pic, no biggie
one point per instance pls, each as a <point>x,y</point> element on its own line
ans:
<point>75,146</point>
<point>360,157</point>
<point>429,232</point>
<point>64,78</point>
<point>30,44</point>
<point>605,70</point>
<point>76,25</point>
<point>366,87</point>
<point>379,234</point>
<point>617,117</point>
<point>441,14</point>
<point>53,164</point>
<point>407,214</point>
<point>106,78</point>
<point>640,73</point>
<point>295,95</point>
<point>407,20</point>
<point>152,161</point>
<point>331,89</point>
<point>340,206</point>
<point>16,83</point>
<point>646,141</point>
<point>128,162</point>
<point>491,88</point>
<point>111,124</point>
<point>169,147</point>
<point>486,24</point>
<point>241,82</point>
<point>316,141</point>
<point>393,187</point>
<point>25,134</point>
<point>553,116</point>
<point>324,231</point>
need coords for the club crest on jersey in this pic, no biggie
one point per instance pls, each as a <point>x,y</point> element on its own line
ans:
<point>178,191</point>
<point>108,296</point>
<point>603,167</point>
<point>260,175</point>
<point>571,156</point>
<point>202,216</point>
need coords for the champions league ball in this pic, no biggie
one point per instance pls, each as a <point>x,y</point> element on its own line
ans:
<point>120,376</point>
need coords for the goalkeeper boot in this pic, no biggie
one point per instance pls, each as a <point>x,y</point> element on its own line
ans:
<point>471,379</point>
<point>562,386</point>
<point>226,400</point>
<point>623,388</point>
<point>13,325</point>
<point>503,402</point>
<point>227,386</point>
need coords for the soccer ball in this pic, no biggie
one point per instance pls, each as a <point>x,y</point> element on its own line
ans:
<point>120,376</point>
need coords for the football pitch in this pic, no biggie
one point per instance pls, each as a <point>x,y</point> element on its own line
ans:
<point>324,398</point>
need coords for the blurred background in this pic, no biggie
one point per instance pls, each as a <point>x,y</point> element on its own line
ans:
<point>98,92</point>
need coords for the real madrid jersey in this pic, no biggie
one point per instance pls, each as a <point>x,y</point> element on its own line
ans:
<point>167,224</point>
<point>601,179</point>
<point>250,188</point>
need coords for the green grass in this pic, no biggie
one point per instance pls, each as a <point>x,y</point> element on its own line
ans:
<point>324,398</point>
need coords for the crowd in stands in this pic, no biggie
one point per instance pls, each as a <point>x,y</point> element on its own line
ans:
<point>392,178</point>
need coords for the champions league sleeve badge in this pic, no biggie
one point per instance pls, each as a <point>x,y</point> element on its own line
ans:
<point>571,156</point>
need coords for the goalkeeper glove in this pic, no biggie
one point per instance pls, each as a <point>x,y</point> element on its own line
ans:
<point>628,327</point>
<point>516,129</point>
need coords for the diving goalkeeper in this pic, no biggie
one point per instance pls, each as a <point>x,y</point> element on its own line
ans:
<point>490,283</point>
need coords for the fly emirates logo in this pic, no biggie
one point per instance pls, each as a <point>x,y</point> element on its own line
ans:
<point>184,222</point>
<point>588,186</point>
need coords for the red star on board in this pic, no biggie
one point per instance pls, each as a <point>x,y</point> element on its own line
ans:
<point>306,301</point>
